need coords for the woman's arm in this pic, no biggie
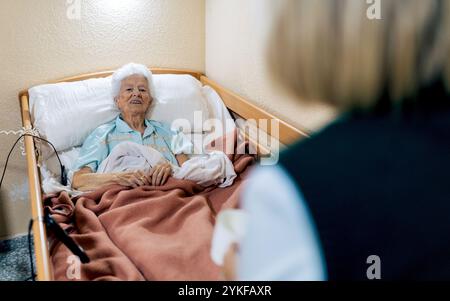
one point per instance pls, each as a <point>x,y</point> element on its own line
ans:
<point>85,179</point>
<point>281,242</point>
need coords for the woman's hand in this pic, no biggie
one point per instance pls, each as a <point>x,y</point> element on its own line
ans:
<point>229,263</point>
<point>133,179</point>
<point>160,173</point>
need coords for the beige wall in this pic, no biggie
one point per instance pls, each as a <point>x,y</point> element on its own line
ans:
<point>38,42</point>
<point>236,36</point>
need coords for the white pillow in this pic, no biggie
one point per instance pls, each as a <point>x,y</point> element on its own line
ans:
<point>179,97</point>
<point>218,110</point>
<point>66,113</point>
<point>68,159</point>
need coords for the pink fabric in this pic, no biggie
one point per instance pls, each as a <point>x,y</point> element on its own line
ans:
<point>146,233</point>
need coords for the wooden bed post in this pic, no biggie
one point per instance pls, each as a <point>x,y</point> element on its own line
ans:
<point>43,266</point>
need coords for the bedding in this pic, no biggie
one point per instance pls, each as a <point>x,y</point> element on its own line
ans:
<point>145,233</point>
<point>80,107</point>
<point>206,170</point>
<point>49,165</point>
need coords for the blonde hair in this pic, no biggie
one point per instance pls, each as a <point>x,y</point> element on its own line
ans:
<point>330,51</point>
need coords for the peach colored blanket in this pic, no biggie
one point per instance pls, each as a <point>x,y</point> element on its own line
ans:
<point>146,233</point>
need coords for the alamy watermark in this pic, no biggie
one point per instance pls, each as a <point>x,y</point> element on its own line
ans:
<point>374,10</point>
<point>73,11</point>
<point>251,136</point>
<point>73,271</point>
<point>374,270</point>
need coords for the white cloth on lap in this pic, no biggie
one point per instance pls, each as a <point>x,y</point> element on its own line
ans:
<point>130,156</point>
<point>206,170</point>
<point>209,169</point>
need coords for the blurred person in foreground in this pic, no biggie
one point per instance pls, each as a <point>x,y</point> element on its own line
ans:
<point>376,180</point>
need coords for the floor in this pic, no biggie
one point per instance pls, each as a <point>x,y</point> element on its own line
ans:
<point>15,259</point>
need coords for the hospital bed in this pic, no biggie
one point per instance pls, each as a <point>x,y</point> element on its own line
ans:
<point>237,106</point>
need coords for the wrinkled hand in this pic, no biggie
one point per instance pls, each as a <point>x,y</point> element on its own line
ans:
<point>160,173</point>
<point>133,179</point>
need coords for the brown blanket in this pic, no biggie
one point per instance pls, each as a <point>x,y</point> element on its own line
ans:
<point>146,233</point>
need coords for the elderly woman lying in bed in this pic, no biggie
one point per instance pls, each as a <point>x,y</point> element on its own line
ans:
<point>133,94</point>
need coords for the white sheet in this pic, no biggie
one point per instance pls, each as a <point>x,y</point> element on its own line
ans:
<point>209,169</point>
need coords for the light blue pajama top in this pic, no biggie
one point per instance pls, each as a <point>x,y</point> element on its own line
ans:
<point>99,144</point>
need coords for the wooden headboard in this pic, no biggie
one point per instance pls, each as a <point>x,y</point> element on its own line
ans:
<point>287,135</point>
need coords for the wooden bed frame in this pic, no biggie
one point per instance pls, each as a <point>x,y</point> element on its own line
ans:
<point>287,135</point>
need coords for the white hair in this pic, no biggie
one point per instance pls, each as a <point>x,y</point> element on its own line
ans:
<point>128,70</point>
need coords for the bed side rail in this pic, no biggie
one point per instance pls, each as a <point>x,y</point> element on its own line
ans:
<point>287,134</point>
<point>43,265</point>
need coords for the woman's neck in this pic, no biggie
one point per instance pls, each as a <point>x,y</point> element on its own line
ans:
<point>135,122</point>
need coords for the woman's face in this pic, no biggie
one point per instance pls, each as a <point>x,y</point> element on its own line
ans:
<point>134,95</point>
